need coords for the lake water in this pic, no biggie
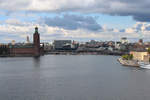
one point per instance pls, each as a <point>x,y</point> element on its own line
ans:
<point>79,77</point>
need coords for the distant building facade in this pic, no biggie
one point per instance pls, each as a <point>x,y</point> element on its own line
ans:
<point>62,44</point>
<point>4,49</point>
<point>140,55</point>
<point>124,40</point>
<point>140,42</point>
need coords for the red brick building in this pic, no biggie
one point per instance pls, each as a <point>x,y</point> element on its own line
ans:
<point>34,49</point>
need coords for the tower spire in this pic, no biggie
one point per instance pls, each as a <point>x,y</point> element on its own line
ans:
<point>36,29</point>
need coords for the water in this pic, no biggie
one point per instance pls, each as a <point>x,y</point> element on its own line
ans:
<point>56,77</point>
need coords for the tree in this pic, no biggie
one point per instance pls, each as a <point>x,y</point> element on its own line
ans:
<point>148,50</point>
<point>130,57</point>
<point>127,57</point>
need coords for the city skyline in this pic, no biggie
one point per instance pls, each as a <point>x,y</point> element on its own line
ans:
<point>74,20</point>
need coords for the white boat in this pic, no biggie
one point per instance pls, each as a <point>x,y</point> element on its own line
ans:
<point>144,65</point>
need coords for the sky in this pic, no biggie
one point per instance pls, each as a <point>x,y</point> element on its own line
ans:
<point>80,20</point>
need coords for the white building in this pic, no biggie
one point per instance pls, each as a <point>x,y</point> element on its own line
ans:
<point>124,40</point>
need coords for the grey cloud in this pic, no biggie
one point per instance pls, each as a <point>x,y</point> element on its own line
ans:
<point>73,22</point>
<point>147,28</point>
<point>13,5</point>
<point>142,18</point>
<point>138,9</point>
<point>138,27</point>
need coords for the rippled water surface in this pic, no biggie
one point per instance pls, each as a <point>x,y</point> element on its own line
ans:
<point>58,77</point>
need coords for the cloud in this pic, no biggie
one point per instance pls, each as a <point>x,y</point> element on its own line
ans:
<point>17,22</point>
<point>142,17</point>
<point>138,9</point>
<point>15,29</point>
<point>137,31</point>
<point>139,27</point>
<point>73,22</point>
<point>14,5</point>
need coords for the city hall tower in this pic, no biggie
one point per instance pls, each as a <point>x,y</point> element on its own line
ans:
<point>36,42</point>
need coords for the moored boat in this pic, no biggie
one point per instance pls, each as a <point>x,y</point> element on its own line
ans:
<point>144,65</point>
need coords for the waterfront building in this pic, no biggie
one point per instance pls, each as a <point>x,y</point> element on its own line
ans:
<point>47,47</point>
<point>140,55</point>
<point>36,42</point>
<point>110,48</point>
<point>4,49</point>
<point>140,42</point>
<point>117,45</point>
<point>124,40</point>
<point>32,49</point>
<point>93,42</point>
<point>62,44</point>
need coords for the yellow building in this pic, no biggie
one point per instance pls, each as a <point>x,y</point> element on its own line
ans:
<point>140,55</point>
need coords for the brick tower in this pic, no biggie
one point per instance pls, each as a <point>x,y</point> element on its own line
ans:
<point>36,39</point>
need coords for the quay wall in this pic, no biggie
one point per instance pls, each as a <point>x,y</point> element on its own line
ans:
<point>21,51</point>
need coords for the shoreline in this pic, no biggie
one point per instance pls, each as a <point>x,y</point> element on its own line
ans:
<point>66,53</point>
<point>57,55</point>
<point>84,53</point>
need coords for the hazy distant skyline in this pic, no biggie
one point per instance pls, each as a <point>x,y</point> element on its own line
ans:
<point>79,20</point>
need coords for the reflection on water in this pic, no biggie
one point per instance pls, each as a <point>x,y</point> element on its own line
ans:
<point>71,78</point>
<point>36,61</point>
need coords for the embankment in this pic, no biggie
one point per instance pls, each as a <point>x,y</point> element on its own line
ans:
<point>128,62</point>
